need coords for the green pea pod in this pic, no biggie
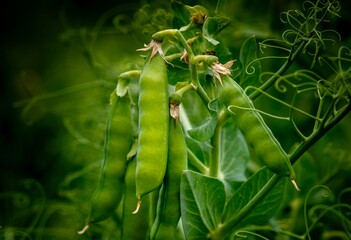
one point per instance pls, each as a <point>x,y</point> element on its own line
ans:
<point>133,226</point>
<point>153,126</point>
<point>255,130</point>
<point>168,211</point>
<point>118,140</point>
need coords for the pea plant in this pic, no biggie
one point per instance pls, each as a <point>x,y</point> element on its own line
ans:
<point>193,148</point>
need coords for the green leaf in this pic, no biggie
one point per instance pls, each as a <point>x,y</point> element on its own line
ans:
<point>176,75</point>
<point>213,105</point>
<point>233,163</point>
<point>196,10</point>
<point>122,87</point>
<point>267,207</point>
<point>199,149</point>
<point>212,26</point>
<point>194,108</point>
<point>205,131</point>
<point>180,14</point>
<point>202,46</point>
<point>251,69</point>
<point>202,204</point>
<point>223,53</point>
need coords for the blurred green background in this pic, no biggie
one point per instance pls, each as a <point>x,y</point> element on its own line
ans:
<point>50,154</point>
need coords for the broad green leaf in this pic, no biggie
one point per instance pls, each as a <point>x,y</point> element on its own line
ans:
<point>265,210</point>
<point>199,149</point>
<point>234,157</point>
<point>251,69</point>
<point>202,204</point>
<point>212,26</point>
<point>194,108</point>
<point>205,131</point>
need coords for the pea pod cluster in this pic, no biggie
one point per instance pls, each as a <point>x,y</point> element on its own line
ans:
<point>153,126</point>
<point>255,130</point>
<point>119,136</point>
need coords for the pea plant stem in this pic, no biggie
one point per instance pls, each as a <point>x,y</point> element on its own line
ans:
<point>174,56</point>
<point>193,68</point>
<point>290,60</point>
<point>198,88</point>
<point>192,65</point>
<point>130,74</point>
<point>197,163</point>
<point>303,147</point>
<point>216,144</point>
<point>184,89</point>
<point>215,152</point>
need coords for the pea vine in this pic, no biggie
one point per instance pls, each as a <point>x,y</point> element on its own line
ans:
<point>227,190</point>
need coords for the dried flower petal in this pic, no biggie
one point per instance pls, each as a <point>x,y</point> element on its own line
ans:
<point>185,56</point>
<point>174,110</point>
<point>154,46</point>
<point>218,69</point>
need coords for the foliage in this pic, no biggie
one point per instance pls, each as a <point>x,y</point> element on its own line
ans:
<point>298,81</point>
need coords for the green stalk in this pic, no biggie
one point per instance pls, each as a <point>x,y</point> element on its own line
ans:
<point>318,135</point>
<point>216,144</point>
<point>130,74</point>
<point>184,89</point>
<point>173,57</point>
<point>159,36</point>
<point>197,163</point>
<point>215,152</point>
<point>198,88</point>
<point>291,58</point>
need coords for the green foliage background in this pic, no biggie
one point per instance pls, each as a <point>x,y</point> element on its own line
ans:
<point>50,156</point>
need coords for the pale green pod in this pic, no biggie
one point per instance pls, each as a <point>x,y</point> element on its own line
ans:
<point>153,126</point>
<point>255,130</point>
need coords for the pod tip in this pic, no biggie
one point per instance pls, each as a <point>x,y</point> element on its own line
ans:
<point>137,207</point>
<point>295,185</point>
<point>85,228</point>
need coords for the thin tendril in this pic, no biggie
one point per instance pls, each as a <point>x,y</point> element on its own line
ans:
<point>291,114</point>
<point>308,229</point>
<point>29,185</point>
<point>266,44</point>
<point>256,110</point>
<point>283,103</point>
<point>241,234</point>
<point>344,224</point>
